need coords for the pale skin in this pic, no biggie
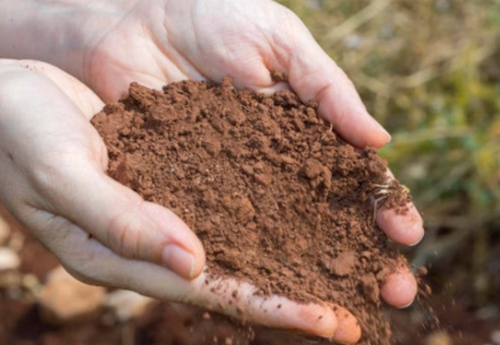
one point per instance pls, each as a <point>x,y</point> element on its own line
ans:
<point>53,162</point>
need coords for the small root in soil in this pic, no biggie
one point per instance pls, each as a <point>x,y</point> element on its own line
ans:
<point>382,192</point>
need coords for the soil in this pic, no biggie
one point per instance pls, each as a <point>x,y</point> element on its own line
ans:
<point>275,195</point>
<point>174,324</point>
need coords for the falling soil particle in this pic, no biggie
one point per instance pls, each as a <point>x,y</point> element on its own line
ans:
<point>276,197</point>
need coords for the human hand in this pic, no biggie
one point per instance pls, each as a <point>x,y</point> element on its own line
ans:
<point>156,42</point>
<point>109,44</point>
<point>52,178</point>
<point>245,40</point>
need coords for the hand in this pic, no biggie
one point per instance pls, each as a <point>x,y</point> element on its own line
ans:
<point>52,177</point>
<point>156,42</point>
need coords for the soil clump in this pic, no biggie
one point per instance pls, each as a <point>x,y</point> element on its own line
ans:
<point>275,195</point>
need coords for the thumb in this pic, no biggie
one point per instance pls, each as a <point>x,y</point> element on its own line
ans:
<point>121,220</point>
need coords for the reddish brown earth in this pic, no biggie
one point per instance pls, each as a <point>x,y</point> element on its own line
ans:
<point>170,324</point>
<point>277,198</point>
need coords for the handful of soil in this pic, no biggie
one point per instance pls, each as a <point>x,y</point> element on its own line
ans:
<point>276,197</point>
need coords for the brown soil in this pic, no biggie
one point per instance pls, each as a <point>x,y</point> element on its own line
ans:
<point>173,324</point>
<point>277,198</point>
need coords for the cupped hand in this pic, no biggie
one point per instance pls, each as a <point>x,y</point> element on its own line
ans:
<point>157,41</point>
<point>120,239</point>
<point>52,178</point>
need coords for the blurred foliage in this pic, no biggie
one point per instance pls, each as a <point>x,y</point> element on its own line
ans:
<point>429,71</point>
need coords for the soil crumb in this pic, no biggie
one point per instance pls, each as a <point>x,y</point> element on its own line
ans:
<point>274,194</point>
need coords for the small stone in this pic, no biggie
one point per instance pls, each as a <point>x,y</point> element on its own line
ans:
<point>127,305</point>
<point>278,76</point>
<point>343,265</point>
<point>30,282</point>
<point>263,179</point>
<point>247,169</point>
<point>64,299</point>
<point>370,288</point>
<point>495,337</point>
<point>312,169</point>
<point>422,271</point>
<point>438,338</point>
<point>244,210</point>
<point>4,231</point>
<point>9,260</point>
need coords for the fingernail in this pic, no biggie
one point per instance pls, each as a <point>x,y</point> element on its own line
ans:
<point>417,241</point>
<point>406,306</point>
<point>348,329</point>
<point>382,129</point>
<point>178,260</point>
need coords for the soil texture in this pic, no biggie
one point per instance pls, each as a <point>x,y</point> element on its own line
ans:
<point>275,195</point>
<point>174,324</point>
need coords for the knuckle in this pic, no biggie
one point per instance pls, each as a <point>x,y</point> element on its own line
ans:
<point>77,252</point>
<point>83,275</point>
<point>342,116</point>
<point>49,179</point>
<point>347,82</point>
<point>124,234</point>
<point>85,264</point>
<point>57,174</point>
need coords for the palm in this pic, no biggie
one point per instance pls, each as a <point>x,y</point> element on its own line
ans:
<point>192,41</point>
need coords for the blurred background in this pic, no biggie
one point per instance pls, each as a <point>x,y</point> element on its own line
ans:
<point>429,71</point>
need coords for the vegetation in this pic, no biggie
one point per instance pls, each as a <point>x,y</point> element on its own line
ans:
<point>429,71</point>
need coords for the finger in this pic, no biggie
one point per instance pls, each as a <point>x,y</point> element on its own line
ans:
<point>400,289</point>
<point>406,227</point>
<point>348,329</point>
<point>241,300</point>
<point>85,100</point>
<point>314,75</point>
<point>124,222</point>
<point>28,101</point>
<point>90,261</point>
<point>41,105</point>
<point>327,320</point>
